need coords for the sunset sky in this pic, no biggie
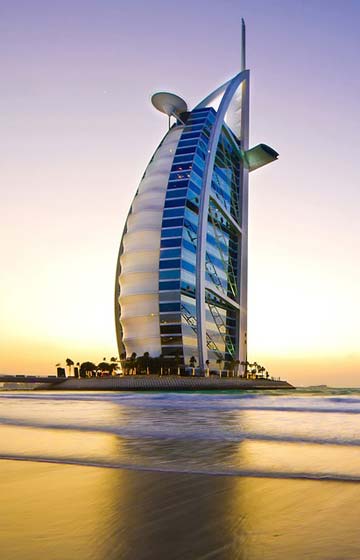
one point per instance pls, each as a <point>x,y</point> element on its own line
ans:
<point>78,130</point>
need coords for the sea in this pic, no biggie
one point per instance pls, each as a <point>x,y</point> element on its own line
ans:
<point>150,475</point>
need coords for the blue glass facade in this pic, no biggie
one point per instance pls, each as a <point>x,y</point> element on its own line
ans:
<point>178,246</point>
<point>179,235</point>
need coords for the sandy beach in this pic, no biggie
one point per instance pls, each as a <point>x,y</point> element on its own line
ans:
<point>65,512</point>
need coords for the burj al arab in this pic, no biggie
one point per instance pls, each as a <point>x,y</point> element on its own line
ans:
<point>181,279</point>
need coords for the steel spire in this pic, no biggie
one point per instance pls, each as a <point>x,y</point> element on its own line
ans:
<point>243,45</point>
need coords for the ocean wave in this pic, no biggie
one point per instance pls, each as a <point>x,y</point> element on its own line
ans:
<point>251,402</point>
<point>249,473</point>
<point>164,433</point>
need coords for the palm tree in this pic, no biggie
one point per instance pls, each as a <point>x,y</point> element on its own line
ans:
<point>161,363</point>
<point>177,361</point>
<point>251,369</point>
<point>69,364</point>
<point>207,368</point>
<point>114,365</point>
<point>219,361</point>
<point>192,362</point>
<point>103,367</point>
<point>232,365</point>
<point>244,365</point>
<point>143,363</point>
<point>133,363</point>
<point>123,362</point>
<point>86,368</point>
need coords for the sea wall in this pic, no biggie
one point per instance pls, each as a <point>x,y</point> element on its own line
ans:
<point>167,383</point>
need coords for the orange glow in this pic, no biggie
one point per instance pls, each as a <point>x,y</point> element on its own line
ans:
<point>73,159</point>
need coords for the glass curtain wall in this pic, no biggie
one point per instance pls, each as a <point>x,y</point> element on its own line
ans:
<point>178,322</point>
<point>223,250</point>
<point>177,282</point>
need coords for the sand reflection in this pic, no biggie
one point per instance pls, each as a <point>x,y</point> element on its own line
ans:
<point>66,512</point>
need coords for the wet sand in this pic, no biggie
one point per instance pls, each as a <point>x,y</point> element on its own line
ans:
<point>65,512</point>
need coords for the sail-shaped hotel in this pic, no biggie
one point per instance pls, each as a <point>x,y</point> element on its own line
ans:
<point>181,279</point>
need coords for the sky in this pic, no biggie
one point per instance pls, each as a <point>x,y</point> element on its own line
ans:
<point>78,129</point>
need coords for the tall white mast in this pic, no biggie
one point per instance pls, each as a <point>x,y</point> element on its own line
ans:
<point>243,45</point>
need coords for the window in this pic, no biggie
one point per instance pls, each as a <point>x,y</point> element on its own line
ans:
<point>183,158</point>
<point>174,203</point>
<point>196,180</point>
<point>171,340</point>
<point>171,212</point>
<point>174,306</point>
<point>170,253</point>
<point>188,266</point>
<point>171,263</point>
<point>181,168</point>
<point>189,256</point>
<point>197,170</point>
<point>193,205</point>
<point>187,142</point>
<point>188,288</point>
<point>166,318</point>
<point>208,111</point>
<point>180,183</point>
<point>171,285</point>
<point>169,274</point>
<point>199,161</point>
<point>171,232</point>
<point>189,246</point>
<point>179,176</point>
<point>190,217</point>
<point>198,119</point>
<point>175,193</point>
<point>169,296</point>
<point>187,135</point>
<point>172,223</point>
<point>189,302</point>
<point>196,127</point>
<point>171,242</point>
<point>195,184</point>
<point>170,329</point>
<point>188,277</point>
<point>184,151</point>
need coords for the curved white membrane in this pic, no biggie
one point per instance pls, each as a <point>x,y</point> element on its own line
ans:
<point>233,116</point>
<point>139,277</point>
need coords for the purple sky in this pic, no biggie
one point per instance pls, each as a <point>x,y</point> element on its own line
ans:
<point>78,131</point>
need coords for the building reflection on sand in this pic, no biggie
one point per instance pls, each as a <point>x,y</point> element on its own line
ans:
<point>63,511</point>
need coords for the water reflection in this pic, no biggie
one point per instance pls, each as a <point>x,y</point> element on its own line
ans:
<point>260,458</point>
